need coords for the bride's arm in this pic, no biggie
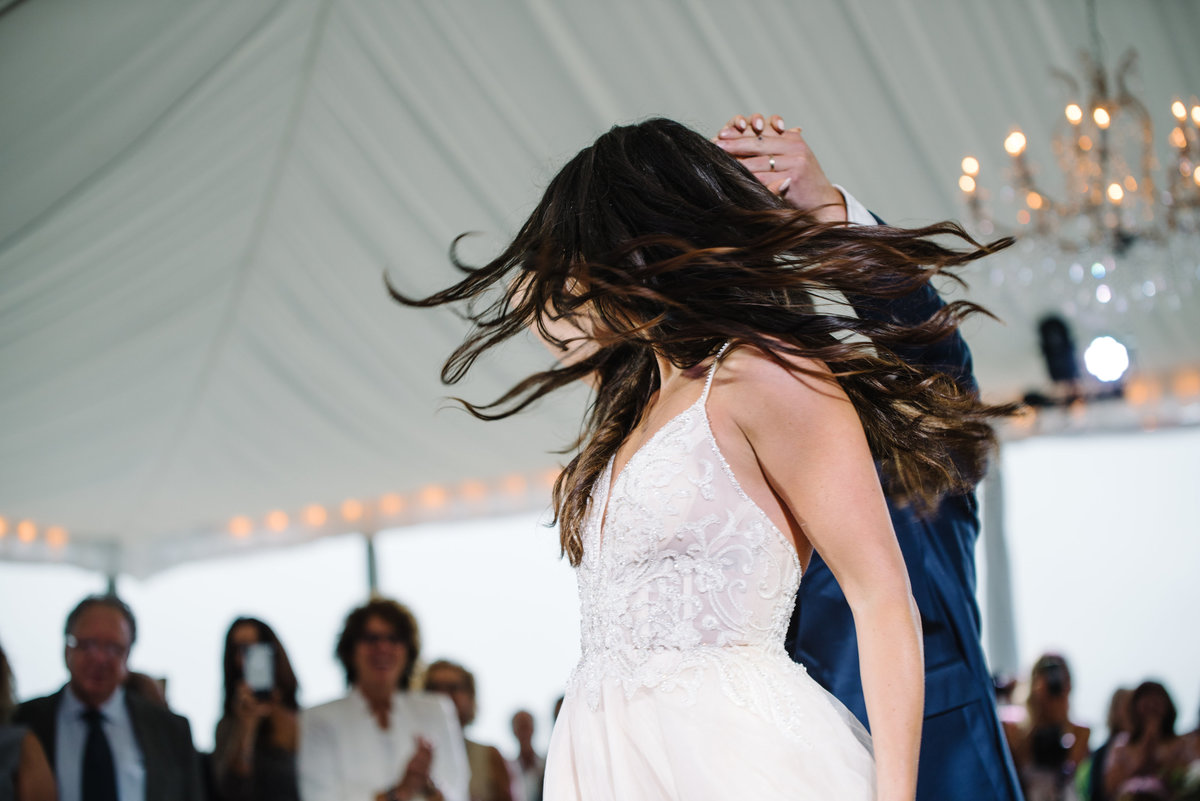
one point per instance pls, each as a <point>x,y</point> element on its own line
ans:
<point>810,444</point>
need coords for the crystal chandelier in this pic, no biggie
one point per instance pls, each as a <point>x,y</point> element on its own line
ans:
<point>1120,233</point>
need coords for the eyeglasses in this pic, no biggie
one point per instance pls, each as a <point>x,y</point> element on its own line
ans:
<point>112,650</point>
<point>381,639</point>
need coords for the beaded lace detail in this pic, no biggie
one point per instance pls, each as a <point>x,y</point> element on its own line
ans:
<point>684,578</point>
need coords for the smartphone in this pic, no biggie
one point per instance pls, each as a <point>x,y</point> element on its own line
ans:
<point>259,666</point>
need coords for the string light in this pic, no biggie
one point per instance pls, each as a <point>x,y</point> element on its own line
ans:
<point>391,504</point>
<point>241,527</point>
<point>3,528</point>
<point>1074,114</point>
<point>352,510</point>
<point>433,496</point>
<point>970,166</point>
<point>56,537</point>
<point>277,520</point>
<point>473,491</point>
<point>26,531</point>
<point>1186,384</point>
<point>315,515</point>
<point>515,484</point>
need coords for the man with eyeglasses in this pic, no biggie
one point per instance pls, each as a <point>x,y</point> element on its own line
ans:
<point>105,744</point>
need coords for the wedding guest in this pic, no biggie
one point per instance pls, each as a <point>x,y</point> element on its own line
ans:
<point>100,737</point>
<point>490,780</point>
<point>1153,758</point>
<point>1048,746</point>
<point>1118,732</point>
<point>529,766</point>
<point>1190,791</point>
<point>381,742</point>
<point>25,774</point>
<point>254,758</point>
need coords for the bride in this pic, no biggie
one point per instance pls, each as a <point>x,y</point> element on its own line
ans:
<point>738,416</point>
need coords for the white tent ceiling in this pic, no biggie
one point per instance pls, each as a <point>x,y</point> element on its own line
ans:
<point>198,202</point>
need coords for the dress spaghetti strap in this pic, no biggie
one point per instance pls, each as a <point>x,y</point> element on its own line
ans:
<point>712,371</point>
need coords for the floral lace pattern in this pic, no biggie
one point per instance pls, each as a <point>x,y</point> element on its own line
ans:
<point>685,580</point>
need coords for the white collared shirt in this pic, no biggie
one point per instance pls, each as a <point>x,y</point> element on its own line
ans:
<point>856,212</point>
<point>71,737</point>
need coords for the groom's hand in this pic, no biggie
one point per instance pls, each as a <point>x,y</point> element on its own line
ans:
<point>780,158</point>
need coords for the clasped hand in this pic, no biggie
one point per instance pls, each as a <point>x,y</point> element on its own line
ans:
<point>779,157</point>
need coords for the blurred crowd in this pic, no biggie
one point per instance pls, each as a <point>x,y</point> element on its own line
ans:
<point>398,734</point>
<point>1144,757</point>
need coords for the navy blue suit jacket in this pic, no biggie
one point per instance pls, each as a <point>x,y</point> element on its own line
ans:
<point>963,751</point>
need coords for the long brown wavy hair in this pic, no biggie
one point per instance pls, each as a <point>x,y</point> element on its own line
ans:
<point>660,242</point>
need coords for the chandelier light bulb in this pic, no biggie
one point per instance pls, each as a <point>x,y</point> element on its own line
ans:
<point>1033,200</point>
<point>1130,183</point>
<point>1196,114</point>
<point>966,183</point>
<point>1115,192</point>
<point>1196,175</point>
<point>970,165</point>
<point>1179,110</point>
<point>1014,144</point>
<point>1085,143</point>
<point>1074,114</point>
<point>1101,116</point>
<point>1177,138</point>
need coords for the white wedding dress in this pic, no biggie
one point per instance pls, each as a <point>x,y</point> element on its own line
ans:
<point>684,691</point>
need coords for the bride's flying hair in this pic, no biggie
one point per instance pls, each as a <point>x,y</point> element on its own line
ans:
<point>657,241</point>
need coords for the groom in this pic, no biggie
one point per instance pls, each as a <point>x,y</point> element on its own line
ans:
<point>963,752</point>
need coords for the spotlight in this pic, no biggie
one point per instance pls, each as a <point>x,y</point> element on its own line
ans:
<point>1106,358</point>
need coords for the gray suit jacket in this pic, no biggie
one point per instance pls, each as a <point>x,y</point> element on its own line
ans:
<point>172,766</point>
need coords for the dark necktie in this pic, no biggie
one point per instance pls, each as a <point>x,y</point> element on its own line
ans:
<point>99,773</point>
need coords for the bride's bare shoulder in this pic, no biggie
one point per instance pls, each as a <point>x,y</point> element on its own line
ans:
<point>747,368</point>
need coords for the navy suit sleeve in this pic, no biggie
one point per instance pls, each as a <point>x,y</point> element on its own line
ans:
<point>949,355</point>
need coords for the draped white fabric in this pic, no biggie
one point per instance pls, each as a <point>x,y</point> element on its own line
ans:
<point>198,203</point>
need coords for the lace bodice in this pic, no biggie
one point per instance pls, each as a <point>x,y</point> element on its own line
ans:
<point>682,572</point>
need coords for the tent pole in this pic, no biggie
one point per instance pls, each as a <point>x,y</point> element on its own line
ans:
<point>1001,617</point>
<point>372,565</point>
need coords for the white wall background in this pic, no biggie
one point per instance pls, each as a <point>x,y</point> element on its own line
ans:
<point>1104,548</point>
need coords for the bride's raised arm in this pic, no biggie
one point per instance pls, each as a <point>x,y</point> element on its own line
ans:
<point>811,447</point>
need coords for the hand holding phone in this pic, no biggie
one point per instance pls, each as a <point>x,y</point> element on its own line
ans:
<point>258,665</point>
